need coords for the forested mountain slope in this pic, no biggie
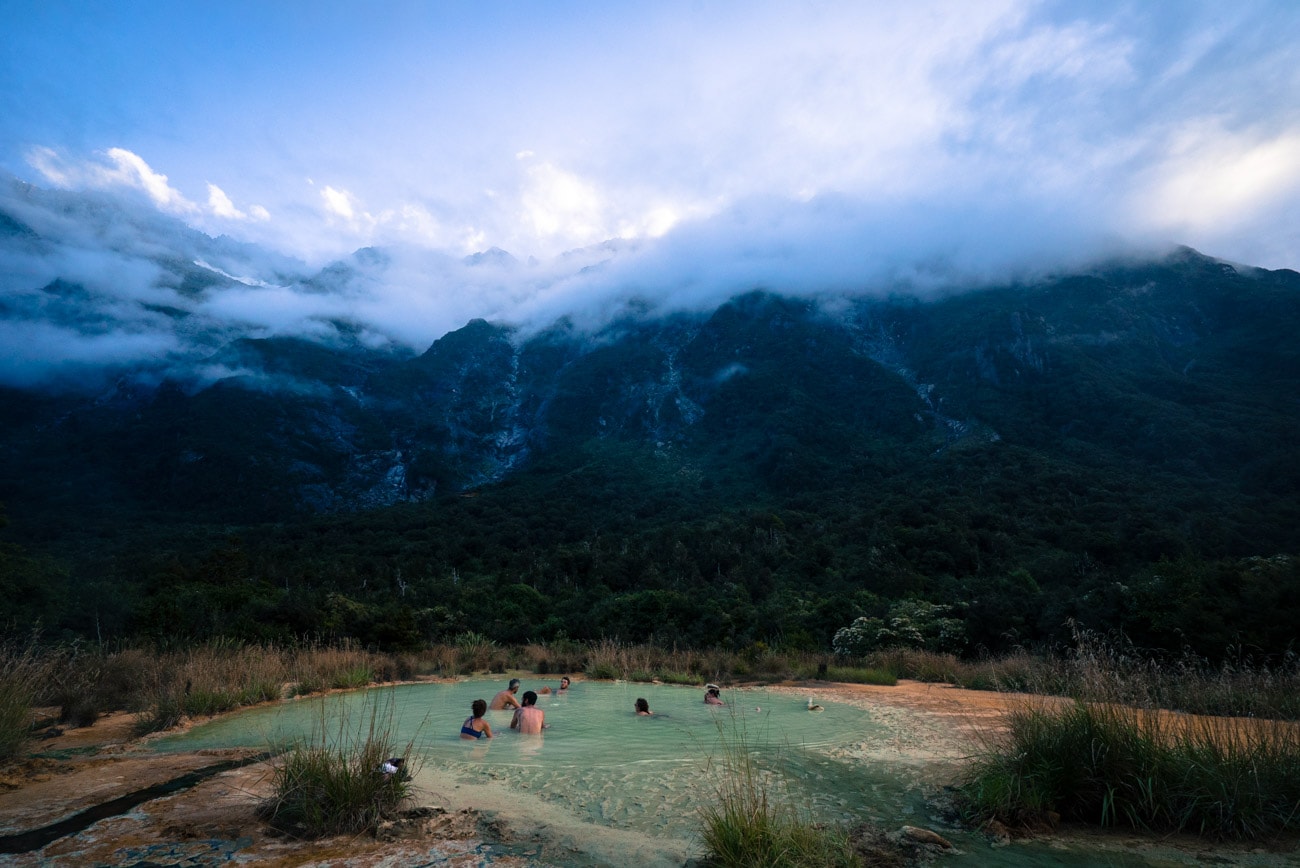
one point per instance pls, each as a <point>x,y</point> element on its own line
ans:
<point>1117,447</point>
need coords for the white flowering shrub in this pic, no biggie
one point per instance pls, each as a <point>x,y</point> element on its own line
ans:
<point>910,624</point>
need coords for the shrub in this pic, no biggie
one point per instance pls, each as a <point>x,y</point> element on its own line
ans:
<point>475,650</point>
<point>909,624</point>
<point>331,783</point>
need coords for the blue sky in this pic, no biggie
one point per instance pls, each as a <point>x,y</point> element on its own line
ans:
<point>316,127</point>
<point>673,153</point>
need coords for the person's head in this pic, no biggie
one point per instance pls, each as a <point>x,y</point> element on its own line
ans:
<point>564,682</point>
<point>530,698</point>
<point>479,707</point>
<point>514,685</point>
<point>711,691</point>
<point>642,707</point>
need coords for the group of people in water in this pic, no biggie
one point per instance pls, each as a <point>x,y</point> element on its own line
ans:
<point>531,720</point>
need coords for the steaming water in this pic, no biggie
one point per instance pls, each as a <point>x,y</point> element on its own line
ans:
<point>602,785</point>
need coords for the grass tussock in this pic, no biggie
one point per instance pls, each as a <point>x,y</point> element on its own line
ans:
<point>753,822</point>
<point>332,782</point>
<point>23,669</point>
<point>1118,765</point>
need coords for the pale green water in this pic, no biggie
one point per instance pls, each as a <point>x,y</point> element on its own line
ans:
<point>597,758</point>
<point>603,783</point>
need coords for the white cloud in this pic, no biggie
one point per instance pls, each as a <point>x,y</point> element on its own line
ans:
<point>560,205</point>
<point>1214,178</point>
<point>338,202</point>
<point>221,205</point>
<point>131,170</point>
<point>121,169</point>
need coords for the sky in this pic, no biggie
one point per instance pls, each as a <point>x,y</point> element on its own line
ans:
<point>722,145</point>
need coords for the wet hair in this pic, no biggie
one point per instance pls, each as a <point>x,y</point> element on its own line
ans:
<point>514,682</point>
<point>642,705</point>
<point>530,698</point>
<point>479,707</point>
<point>712,691</point>
<point>564,678</point>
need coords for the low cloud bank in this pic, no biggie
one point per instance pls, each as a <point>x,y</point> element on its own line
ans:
<point>93,284</point>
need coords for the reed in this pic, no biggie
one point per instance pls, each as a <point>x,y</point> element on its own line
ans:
<point>23,669</point>
<point>751,823</point>
<point>1118,765</point>
<point>332,782</point>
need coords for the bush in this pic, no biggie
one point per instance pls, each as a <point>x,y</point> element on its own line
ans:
<point>910,624</point>
<point>332,783</point>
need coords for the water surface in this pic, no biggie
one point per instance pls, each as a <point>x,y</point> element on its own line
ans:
<point>602,785</point>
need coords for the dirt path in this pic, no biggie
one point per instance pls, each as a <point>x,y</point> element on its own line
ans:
<point>930,727</point>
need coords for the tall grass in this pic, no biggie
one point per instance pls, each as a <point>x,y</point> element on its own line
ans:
<point>752,823</point>
<point>331,783</point>
<point>22,670</point>
<point>209,679</point>
<point>1119,765</point>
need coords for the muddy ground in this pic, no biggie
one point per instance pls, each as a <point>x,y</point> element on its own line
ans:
<point>933,728</point>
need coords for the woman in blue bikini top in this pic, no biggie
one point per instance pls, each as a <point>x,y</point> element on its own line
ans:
<point>475,726</point>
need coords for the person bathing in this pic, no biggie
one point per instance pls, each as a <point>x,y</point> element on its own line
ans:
<point>506,698</point>
<point>529,719</point>
<point>475,726</point>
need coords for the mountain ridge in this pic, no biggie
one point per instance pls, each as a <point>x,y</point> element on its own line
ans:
<point>794,460</point>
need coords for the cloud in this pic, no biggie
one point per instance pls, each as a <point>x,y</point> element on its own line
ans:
<point>1214,178</point>
<point>119,168</point>
<point>221,206</point>
<point>38,353</point>
<point>559,204</point>
<point>686,153</point>
<point>339,202</point>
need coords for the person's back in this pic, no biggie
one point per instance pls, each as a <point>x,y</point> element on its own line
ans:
<point>475,727</point>
<point>529,719</point>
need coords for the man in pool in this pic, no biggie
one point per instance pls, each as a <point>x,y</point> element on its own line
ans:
<point>643,708</point>
<point>529,719</point>
<point>564,686</point>
<point>475,726</point>
<point>506,698</point>
<point>711,695</point>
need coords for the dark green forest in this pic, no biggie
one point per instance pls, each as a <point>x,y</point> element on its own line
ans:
<point>629,544</point>
<point>1117,451</point>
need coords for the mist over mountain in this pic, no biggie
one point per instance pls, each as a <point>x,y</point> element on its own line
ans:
<point>823,441</point>
<point>96,286</point>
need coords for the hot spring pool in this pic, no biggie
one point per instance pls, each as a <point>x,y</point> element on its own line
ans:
<point>597,759</point>
<point>603,786</point>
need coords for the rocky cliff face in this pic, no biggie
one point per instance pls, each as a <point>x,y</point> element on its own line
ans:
<point>1161,363</point>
